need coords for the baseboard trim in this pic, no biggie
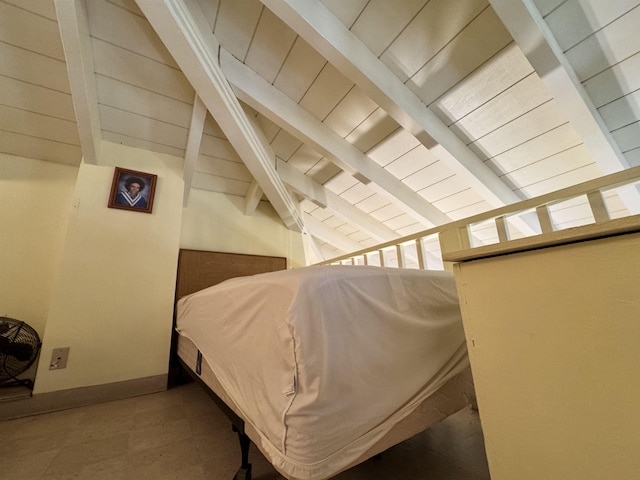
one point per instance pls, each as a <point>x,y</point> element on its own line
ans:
<point>78,397</point>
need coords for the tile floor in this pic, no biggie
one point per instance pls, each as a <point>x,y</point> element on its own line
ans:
<point>180,434</point>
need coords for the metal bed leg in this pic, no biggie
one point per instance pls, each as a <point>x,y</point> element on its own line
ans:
<point>244,473</point>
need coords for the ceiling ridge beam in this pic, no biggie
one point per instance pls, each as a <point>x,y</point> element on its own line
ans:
<point>317,193</point>
<point>182,27</point>
<point>287,114</point>
<point>73,22</point>
<point>324,32</point>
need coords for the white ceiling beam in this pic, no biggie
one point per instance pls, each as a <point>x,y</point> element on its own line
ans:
<point>183,29</point>
<point>324,32</point>
<point>73,22</point>
<point>252,198</point>
<point>315,192</point>
<point>532,34</point>
<point>312,251</point>
<point>327,234</point>
<point>303,184</point>
<point>287,114</point>
<point>194,139</point>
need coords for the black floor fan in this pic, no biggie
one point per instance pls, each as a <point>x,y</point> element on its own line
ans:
<point>19,347</point>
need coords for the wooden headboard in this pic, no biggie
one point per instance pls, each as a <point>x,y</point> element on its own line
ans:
<point>198,269</point>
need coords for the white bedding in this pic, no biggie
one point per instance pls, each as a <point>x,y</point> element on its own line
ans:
<point>323,361</point>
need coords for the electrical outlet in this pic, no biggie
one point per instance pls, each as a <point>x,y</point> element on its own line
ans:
<point>59,358</point>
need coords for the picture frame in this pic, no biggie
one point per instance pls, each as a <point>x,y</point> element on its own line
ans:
<point>132,190</point>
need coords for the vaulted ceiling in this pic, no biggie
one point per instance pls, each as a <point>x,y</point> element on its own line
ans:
<point>360,121</point>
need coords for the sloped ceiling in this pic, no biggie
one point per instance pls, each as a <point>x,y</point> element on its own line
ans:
<point>360,121</point>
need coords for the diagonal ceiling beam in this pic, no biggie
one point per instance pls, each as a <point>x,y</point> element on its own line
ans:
<point>529,30</point>
<point>327,234</point>
<point>324,32</point>
<point>182,27</point>
<point>73,23</point>
<point>313,253</point>
<point>287,114</point>
<point>315,192</point>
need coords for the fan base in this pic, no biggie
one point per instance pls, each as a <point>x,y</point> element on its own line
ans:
<point>17,382</point>
<point>13,394</point>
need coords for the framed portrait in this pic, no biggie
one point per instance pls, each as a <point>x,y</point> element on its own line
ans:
<point>131,190</point>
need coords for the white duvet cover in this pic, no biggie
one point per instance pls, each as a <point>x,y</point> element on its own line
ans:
<point>323,361</point>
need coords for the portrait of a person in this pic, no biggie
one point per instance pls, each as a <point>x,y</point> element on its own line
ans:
<point>132,190</point>
<point>132,195</point>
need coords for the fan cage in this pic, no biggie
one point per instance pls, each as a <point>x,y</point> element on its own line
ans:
<point>19,348</point>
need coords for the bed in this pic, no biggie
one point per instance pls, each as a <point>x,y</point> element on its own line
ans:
<point>324,367</point>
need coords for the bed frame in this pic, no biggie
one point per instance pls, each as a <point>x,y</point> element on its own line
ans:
<point>200,269</point>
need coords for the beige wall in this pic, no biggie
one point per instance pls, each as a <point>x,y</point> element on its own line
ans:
<point>553,341</point>
<point>113,294</point>
<point>34,206</point>
<point>216,222</point>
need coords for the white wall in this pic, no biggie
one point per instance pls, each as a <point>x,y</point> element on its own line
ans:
<point>216,222</point>
<point>112,301</point>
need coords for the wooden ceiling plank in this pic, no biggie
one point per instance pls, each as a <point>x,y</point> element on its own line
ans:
<point>381,22</point>
<point>219,148</point>
<point>122,28</point>
<point>236,24</point>
<point>473,46</point>
<point>131,68</point>
<point>606,46</point>
<point>136,142</point>
<point>280,109</point>
<point>35,98</point>
<point>302,65</point>
<point>141,101</point>
<point>32,147</point>
<point>516,101</point>
<point>428,29</point>
<point>270,45</point>
<point>585,18</point>
<point>45,9</point>
<point>217,184</point>
<point>346,12</point>
<point>38,125</point>
<point>313,22</point>
<point>26,66</point>
<point>141,127</point>
<point>183,29</point>
<point>74,31</point>
<point>42,37</point>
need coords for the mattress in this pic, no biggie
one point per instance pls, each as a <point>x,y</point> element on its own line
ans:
<point>323,362</point>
